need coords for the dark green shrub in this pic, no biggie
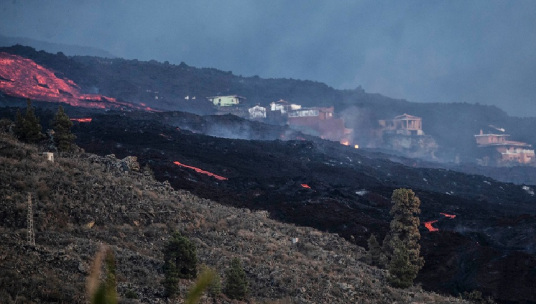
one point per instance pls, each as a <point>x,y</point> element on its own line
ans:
<point>180,262</point>
<point>131,294</point>
<point>236,285</point>
<point>374,251</point>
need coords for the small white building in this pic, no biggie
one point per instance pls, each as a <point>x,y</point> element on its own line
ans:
<point>49,156</point>
<point>304,113</point>
<point>226,101</point>
<point>283,106</point>
<point>257,112</point>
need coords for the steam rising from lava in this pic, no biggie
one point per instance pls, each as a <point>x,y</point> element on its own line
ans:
<point>21,77</point>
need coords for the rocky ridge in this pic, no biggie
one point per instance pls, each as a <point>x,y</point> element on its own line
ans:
<point>82,201</point>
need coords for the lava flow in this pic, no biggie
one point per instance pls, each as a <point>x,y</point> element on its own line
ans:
<point>201,171</point>
<point>429,226</point>
<point>82,119</point>
<point>305,186</point>
<point>21,77</point>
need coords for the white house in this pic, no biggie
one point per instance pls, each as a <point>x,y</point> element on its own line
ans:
<point>283,106</point>
<point>226,101</point>
<point>257,112</point>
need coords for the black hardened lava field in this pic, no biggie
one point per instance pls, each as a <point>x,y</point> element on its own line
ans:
<point>472,237</point>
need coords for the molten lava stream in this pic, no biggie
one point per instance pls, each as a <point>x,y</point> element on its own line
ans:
<point>451,216</point>
<point>429,226</point>
<point>305,186</point>
<point>201,171</point>
<point>82,119</point>
<point>22,77</point>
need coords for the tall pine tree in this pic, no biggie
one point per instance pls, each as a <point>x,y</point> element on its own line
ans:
<point>27,127</point>
<point>401,245</point>
<point>63,138</point>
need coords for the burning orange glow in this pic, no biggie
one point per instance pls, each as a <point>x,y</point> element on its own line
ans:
<point>305,186</point>
<point>201,171</point>
<point>451,216</point>
<point>345,142</point>
<point>82,119</point>
<point>429,226</point>
<point>21,77</point>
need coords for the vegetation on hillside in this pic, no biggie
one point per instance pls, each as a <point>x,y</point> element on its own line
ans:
<point>374,252</point>
<point>180,262</point>
<point>27,127</point>
<point>63,137</point>
<point>83,201</point>
<point>401,244</point>
<point>400,252</point>
<point>236,284</point>
<point>103,291</point>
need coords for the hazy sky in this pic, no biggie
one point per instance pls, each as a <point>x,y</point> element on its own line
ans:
<point>423,51</point>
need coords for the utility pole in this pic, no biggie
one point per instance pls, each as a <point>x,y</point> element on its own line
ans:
<point>29,222</point>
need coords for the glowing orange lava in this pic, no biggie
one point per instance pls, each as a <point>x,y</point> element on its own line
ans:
<point>451,216</point>
<point>21,77</point>
<point>429,226</point>
<point>201,171</point>
<point>82,119</point>
<point>305,186</point>
<point>345,142</point>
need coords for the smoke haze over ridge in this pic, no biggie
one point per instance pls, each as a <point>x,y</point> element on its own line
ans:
<point>422,51</point>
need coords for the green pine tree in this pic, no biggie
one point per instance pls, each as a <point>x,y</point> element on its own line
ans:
<point>180,262</point>
<point>401,272</point>
<point>63,138</point>
<point>401,245</point>
<point>19,122</point>
<point>374,251</point>
<point>27,127</point>
<point>236,285</point>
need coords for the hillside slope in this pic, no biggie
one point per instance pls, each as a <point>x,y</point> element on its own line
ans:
<point>84,200</point>
<point>349,195</point>
<point>165,86</point>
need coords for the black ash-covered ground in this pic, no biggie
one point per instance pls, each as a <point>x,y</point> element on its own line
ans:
<point>349,194</point>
